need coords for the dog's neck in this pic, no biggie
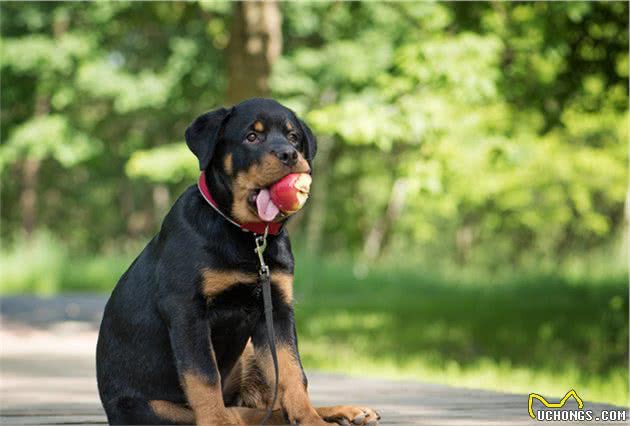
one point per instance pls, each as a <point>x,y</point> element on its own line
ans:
<point>216,191</point>
<point>219,185</point>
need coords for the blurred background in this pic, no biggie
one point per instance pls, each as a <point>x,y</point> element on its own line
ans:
<point>467,223</point>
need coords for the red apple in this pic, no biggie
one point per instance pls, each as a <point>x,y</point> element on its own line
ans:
<point>291,192</point>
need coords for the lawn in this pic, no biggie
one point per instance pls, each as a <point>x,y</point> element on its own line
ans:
<point>543,334</point>
<point>537,334</point>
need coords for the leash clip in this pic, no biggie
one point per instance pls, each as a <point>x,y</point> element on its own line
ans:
<point>261,246</point>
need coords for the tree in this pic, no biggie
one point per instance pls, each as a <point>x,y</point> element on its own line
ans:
<point>255,44</point>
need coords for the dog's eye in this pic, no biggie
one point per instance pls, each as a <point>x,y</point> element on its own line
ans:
<point>292,137</point>
<point>251,136</point>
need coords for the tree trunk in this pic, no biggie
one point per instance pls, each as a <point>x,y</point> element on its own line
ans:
<point>464,238</point>
<point>161,203</point>
<point>28,197</point>
<point>255,44</point>
<point>374,241</point>
<point>626,224</point>
<point>31,166</point>
<point>30,176</point>
<point>317,210</point>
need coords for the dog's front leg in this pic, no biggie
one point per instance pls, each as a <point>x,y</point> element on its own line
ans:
<point>199,376</point>
<point>293,397</point>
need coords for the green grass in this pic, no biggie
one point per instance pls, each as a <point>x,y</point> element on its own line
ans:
<point>544,334</point>
<point>45,267</point>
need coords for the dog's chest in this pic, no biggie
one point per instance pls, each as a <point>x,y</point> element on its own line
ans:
<point>233,317</point>
<point>234,313</point>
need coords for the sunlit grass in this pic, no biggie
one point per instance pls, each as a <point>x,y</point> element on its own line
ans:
<point>353,357</point>
<point>44,266</point>
<point>541,334</point>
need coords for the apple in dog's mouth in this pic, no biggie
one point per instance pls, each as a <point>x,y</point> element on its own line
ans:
<point>291,192</point>
<point>288,195</point>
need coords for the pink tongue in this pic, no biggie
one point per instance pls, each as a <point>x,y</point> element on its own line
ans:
<point>267,210</point>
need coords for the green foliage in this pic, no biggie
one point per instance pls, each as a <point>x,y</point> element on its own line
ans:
<point>85,88</point>
<point>507,125</point>
<point>39,138</point>
<point>506,122</point>
<point>167,163</point>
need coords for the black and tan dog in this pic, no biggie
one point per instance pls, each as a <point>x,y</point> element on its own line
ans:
<point>183,337</point>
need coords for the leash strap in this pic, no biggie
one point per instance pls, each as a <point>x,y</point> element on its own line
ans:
<point>264,278</point>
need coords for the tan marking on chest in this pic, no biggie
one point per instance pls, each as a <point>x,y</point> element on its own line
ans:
<point>214,281</point>
<point>284,282</point>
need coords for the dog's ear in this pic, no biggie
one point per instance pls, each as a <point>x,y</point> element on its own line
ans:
<point>203,134</point>
<point>310,143</point>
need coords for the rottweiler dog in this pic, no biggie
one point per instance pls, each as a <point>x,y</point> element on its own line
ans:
<point>183,337</point>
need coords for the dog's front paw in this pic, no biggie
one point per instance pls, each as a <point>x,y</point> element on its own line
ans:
<point>348,415</point>
<point>306,417</point>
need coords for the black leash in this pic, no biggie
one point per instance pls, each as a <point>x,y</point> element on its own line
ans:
<point>264,279</point>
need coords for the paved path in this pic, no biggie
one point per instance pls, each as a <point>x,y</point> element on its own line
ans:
<point>47,376</point>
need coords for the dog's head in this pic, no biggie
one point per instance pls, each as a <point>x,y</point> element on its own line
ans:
<point>247,148</point>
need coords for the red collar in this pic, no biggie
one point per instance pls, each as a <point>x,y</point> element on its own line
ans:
<point>255,227</point>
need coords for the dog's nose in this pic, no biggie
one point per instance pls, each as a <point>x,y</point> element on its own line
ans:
<point>288,156</point>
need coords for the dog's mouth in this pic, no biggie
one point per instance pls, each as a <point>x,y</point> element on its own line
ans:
<point>280,199</point>
<point>259,200</point>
